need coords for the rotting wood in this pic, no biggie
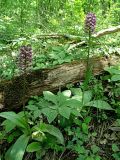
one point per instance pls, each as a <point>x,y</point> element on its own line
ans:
<point>11,92</point>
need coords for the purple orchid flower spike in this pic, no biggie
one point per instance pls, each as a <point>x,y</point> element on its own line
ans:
<point>90,23</point>
<point>25,58</point>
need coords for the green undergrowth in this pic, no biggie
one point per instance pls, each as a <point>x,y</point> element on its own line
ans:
<point>50,53</point>
<point>81,121</point>
<point>72,124</point>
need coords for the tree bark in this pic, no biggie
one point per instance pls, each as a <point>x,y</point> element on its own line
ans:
<point>11,92</point>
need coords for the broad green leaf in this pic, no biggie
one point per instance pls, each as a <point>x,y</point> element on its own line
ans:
<point>76,112</point>
<point>115,148</point>
<point>76,91</point>
<point>112,70</point>
<point>87,120</point>
<point>21,114</point>
<point>49,96</point>
<point>33,147</point>
<point>61,98</point>
<point>99,104</point>
<point>43,103</point>
<point>85,128</point>
<point>37,113</point>
<point>14,118</point>
<point>115,77</point>
<point>87,96</point>
<point>7,154</point>
<point>65,111</point>
<point>73,103</point>
<point>51,114</point>
<point>9,125</point>
<point>18,149</point>
<point>32,107</point>
<point>77,97</point>
<point>53,131</point>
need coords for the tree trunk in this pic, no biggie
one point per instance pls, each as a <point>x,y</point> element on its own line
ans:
<point>11,92</point>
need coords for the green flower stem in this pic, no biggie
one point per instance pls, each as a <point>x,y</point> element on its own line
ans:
<point>89,48</point>
<point>24,92</point>
<point>88,68</point>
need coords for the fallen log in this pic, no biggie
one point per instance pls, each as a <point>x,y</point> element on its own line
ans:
<point>11,92</point>
<point>103,32</point>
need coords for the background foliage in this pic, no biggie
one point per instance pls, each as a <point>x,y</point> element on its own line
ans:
<point>81,122</point>
<point>23,21</point>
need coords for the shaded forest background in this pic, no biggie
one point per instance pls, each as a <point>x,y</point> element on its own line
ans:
<point>26,18</point>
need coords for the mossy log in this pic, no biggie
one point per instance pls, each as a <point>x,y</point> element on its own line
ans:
<point>11,92</point>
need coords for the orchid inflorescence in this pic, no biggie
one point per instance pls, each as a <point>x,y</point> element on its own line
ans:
<point>25,58</point>
<point>90,22</point>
